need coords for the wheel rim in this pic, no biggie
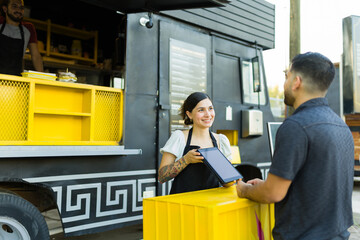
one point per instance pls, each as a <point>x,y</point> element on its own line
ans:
<point>10,229</point>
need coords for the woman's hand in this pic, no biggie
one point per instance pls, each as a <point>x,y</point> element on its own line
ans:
<point>193,157</point>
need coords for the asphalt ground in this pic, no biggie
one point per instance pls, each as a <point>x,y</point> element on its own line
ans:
<point>135,232</point>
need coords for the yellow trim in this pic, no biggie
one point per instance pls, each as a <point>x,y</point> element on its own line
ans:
<point>121,112</point>
<point>92,118</point>
<point>235,153</point>
<point>31,109</point>
<point>57,143</point>
<point>232,135</point>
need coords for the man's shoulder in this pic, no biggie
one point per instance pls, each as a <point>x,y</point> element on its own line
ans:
<point>316,114</point>
<point>28,25</point>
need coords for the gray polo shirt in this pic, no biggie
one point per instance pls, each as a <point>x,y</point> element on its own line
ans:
<point>315,150</point>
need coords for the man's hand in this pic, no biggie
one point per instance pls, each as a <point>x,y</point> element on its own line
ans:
<point>255,181</point>
<point>241,188</point>
<point>274,189</point>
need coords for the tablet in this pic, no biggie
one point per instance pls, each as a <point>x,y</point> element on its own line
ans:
<point>219,165</point>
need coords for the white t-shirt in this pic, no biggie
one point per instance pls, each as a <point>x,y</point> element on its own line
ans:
<point>176,145</point>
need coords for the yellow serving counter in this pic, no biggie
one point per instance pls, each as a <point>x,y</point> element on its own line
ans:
<point>44,112</point>
<point>214,214</point>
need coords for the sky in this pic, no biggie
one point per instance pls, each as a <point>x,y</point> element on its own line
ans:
<point>321,31</point>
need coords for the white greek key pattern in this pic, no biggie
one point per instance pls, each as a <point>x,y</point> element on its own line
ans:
<point>111,196</point>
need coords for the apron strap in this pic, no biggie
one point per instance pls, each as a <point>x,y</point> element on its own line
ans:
<point>22,36</point>
<point>2,27</point>
<point>189,137</point>
<point>211,135</point>
<point>213,139</point>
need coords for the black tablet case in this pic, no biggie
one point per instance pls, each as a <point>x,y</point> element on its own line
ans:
<point>215,160</point>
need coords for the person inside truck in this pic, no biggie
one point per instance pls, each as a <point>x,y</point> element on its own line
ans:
<point>311,176</point>
<point>180,159</point>
<point>15,37</point>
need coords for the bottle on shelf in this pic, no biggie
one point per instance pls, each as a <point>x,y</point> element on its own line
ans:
<point>76,49</point>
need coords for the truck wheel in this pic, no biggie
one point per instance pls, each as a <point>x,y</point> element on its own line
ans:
<point>20,220</point>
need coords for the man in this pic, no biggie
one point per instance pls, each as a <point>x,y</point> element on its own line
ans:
<point>311,176</point>
<point>15,37</point>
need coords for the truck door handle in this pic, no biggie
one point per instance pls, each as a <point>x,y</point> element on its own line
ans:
<point>164,107</point>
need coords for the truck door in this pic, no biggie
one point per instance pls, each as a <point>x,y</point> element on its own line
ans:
<point>184,67</point>
<point>233,89</point>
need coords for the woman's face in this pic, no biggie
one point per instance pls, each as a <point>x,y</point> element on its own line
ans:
<point>203,114</point>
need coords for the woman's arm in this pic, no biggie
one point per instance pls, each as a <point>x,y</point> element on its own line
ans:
<point>169,168</point>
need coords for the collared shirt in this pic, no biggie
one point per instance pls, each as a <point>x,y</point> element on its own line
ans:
<point>315,150</point>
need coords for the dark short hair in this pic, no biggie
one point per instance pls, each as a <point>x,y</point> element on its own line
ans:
<point>315,67</point>
<point>3,3</point>
<point>190,103</point>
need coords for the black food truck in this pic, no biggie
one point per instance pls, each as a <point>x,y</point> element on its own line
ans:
<point>90,152</point>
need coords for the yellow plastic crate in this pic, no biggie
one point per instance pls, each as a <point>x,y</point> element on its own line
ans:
<point>42,112</point>
<point>214,214</point>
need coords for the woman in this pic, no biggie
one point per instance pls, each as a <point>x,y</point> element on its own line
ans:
<point>180,159</point>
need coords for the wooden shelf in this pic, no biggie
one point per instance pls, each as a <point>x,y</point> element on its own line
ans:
<point>75,34</point>
<point>63,55</point>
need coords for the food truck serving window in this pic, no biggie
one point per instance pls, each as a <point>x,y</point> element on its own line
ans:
<point>249,95</point>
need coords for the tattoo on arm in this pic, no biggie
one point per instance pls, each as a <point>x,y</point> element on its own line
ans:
<point>170,171</point>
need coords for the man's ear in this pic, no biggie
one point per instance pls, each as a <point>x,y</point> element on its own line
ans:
<point>4,10</point>
<point>297,82</point>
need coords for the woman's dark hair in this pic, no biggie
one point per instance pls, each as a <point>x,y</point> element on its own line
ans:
<point>190,103</point>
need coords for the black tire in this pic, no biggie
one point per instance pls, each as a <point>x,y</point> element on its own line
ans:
<point>19,217</point>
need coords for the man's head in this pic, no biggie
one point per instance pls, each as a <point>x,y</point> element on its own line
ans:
<point>13,10</point>
<point>312,71</point>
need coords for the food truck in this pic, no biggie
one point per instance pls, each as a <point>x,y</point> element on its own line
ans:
<point>89,150</point>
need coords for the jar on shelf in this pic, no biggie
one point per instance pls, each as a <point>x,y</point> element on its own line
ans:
<point>76,49</point>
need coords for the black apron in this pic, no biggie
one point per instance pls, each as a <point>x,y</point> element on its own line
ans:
<point>11,53</point>
<point>195,176</point>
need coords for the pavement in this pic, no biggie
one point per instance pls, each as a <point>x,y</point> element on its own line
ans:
<point>135,232</point>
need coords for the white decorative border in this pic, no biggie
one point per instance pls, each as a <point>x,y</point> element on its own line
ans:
<point>69,207</point>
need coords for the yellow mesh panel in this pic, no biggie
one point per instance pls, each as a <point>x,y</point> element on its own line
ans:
<point>14,110</point>
<point>107,116</point>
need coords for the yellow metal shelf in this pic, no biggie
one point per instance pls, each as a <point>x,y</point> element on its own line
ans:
<point>54,112</point>
<point>43,112</point>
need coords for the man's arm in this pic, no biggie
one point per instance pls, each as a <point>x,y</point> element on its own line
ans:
<point>36,57</point>
<point>273,189</point>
